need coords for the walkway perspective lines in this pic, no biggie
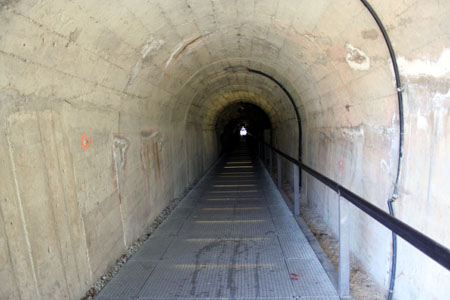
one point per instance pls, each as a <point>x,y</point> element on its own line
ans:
<point>230,238</point>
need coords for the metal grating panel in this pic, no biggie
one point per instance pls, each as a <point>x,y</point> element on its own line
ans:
<point>153,249</point>
<point>169,227</point>
<point>295,246</point>
<point>181,212</point>
<point>309,278</point>
<point>233,244</point>
<point>232,229</point>
<point>222,250</point>
<point>286,225</point>
<point>231,213</point>
<point>180,281</point>
<point>128,282</point>
<point>279,211</point>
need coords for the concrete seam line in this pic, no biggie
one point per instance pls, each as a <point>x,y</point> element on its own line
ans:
<point>22,214</point>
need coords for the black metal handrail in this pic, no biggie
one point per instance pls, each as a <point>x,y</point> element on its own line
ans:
<point>428,246</point>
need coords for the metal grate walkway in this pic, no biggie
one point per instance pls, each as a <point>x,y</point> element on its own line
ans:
<point>233,237</point>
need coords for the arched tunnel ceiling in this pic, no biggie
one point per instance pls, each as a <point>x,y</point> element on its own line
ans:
<point>330,56</point>
<point>152,76</point>
<point>181,47</point>
<point>184,57</point>
<point>239,86</point>
<point>308,48</point>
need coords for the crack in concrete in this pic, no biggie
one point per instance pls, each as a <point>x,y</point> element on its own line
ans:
<point>181,48</point>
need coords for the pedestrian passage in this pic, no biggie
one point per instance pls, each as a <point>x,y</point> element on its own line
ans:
<point>232,237</point>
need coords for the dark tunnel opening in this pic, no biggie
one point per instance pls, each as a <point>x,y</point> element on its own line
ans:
<point>236,116</point>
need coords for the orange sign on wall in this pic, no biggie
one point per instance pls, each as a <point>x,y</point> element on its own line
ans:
<point>85,141</point>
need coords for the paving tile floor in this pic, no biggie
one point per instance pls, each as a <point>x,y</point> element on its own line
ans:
<point>232,237</point>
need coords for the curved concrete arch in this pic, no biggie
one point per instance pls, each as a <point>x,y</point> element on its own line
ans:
<point>262,86</point>
<point>132,75</point>
<point>213,114</point>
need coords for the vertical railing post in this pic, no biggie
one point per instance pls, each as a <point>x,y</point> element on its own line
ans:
<point>279,171</point>
<point>296,191</point>
<point>344,253</point>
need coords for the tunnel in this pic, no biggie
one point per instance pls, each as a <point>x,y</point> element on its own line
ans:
<point>237,116</point>
<point>112,110</point>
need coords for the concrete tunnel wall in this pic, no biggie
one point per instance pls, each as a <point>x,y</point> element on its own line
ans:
<point>108,111</point>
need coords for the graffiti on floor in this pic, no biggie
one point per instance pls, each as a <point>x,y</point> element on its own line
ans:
<point>295,276</point>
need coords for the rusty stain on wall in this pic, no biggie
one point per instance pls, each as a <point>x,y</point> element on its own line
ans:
<point>181,48</point>
<point>187,45</point>
<point>151,154</point>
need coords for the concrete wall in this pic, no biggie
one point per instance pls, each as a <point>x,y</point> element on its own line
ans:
<point>80,182</point>
<point>108,111</point>
<point>87,160</point>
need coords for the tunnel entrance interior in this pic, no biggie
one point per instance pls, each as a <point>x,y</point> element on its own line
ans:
<point>236,116</point>
<point>112,111</point>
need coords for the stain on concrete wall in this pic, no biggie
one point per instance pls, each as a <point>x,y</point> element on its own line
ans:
<point>7,3</point>
<point>357,59</point>
<point>152,163</point>
<point>152,155</point>
<point>371,34</point>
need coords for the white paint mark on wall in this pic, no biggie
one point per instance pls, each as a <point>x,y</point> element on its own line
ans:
<point>152,45</point>
<point>357,131</point>
<point>177,49</point>
<point>426,67</point>
<point>441,100</point>
<point>357,59</point>
<point>119,152</point>
<point>120,149</point>
<point>441,103</point>
<point>422,122</point>
<point>439,121</point>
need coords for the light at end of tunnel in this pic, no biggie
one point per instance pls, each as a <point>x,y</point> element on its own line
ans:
<point>243,131</point>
